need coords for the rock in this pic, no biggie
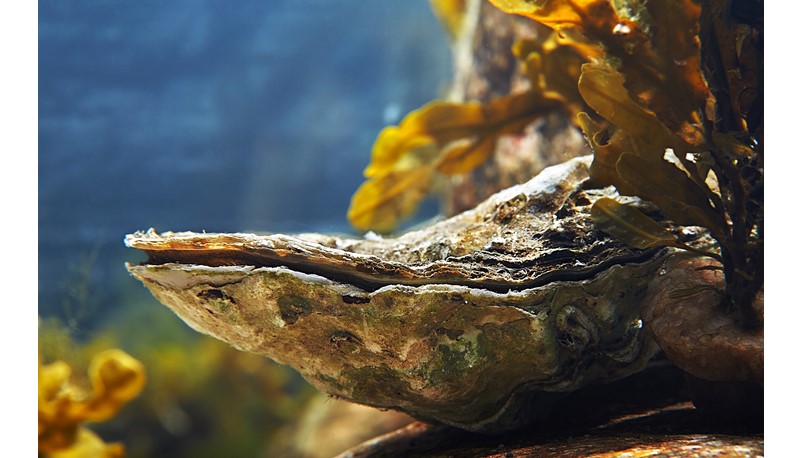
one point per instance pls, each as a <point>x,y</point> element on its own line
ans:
<point>647,414</point>
<point>724,363</point>
<point>327,427</point>
<point>685,316</point>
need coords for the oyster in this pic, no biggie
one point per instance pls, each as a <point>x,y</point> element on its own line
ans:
<point>467,322</point>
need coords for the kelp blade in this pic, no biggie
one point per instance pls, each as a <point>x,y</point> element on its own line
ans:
<point>626,223</point>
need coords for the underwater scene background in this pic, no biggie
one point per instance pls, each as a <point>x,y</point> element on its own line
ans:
<point>200,115</point>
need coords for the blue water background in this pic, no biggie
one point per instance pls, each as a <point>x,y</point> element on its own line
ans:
<point>211,115</point>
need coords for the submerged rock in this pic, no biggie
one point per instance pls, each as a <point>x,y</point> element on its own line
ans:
<point>470,322</point>
<point>645,415</point>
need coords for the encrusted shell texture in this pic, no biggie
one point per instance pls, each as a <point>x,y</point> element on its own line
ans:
<point>471,321</point>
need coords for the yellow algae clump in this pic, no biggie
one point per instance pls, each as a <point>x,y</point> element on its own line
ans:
<point>115,379</point>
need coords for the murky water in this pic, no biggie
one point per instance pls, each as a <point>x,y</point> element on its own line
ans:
<point>216,116</point>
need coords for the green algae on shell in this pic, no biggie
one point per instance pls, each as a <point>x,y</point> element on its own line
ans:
<point>465,322</point>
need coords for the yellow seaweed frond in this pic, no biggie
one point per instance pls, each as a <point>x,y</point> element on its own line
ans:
<point>444,138</point>
<point>451,13</point>
<point>553,64</point>
<point>647,84</point>
<point>585,16</point>
<point>603,89</point>
<point>655,46</point>
<point>89,445</point>
<point>380,203</point>
<point>115,378</point>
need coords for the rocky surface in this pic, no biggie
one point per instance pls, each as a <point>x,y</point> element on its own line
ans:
<point>328,427</point>
<point>684,313</point>
<point>647,414</point>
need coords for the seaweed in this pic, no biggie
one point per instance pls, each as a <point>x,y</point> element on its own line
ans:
<point>115,378</point>
<point>669,96</point>
<point>451,13</point>
<point>445,138</point>
<point>191,404</point>
<point>670,137</point>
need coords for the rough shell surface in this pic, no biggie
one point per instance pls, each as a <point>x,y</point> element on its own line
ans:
<point>466,322</point>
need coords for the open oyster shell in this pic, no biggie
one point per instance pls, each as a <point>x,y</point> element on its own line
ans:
<point>466,322</point>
